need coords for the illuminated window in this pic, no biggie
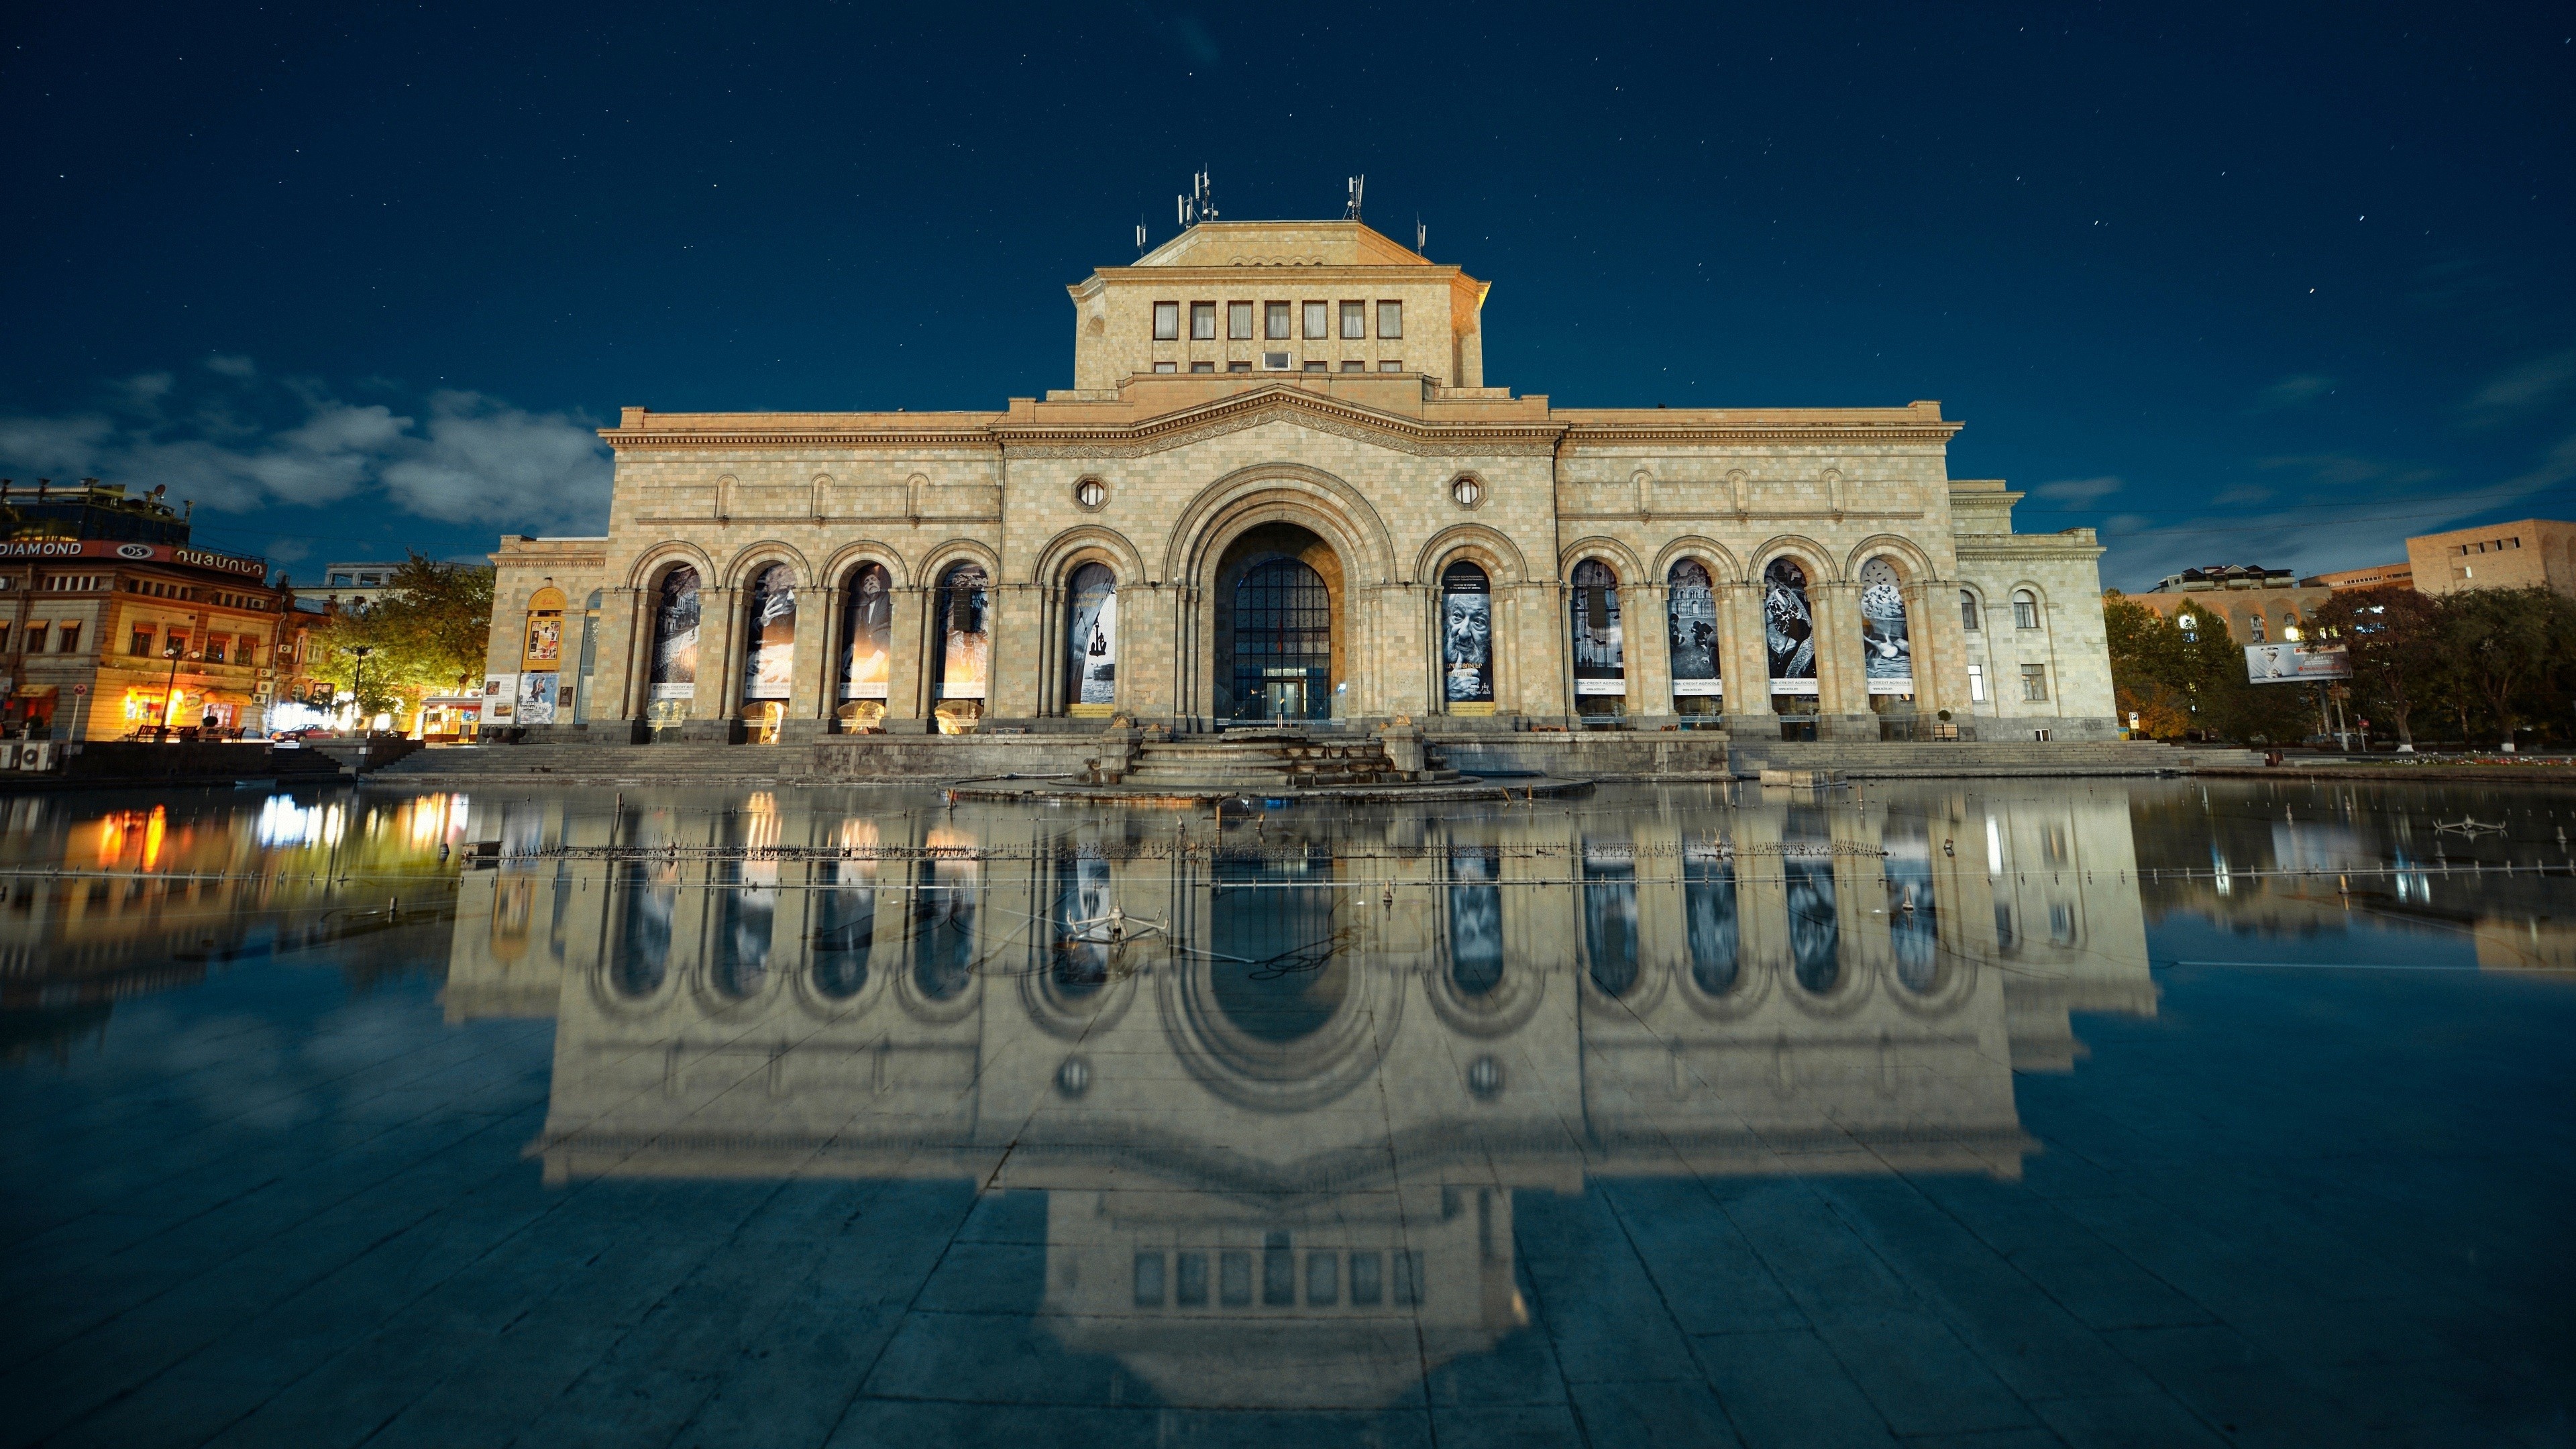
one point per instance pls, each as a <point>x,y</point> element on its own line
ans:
<point>215,648</point>
<point>1976,684</point>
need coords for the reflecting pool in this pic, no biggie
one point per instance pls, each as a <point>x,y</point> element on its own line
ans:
<point>1997,1113</point>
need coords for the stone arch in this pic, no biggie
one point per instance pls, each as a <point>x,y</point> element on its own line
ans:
<point>1490,547</point>
<point>940,558</point>
<point>1721,564</point>
<point>1081,543</point>
<point>846,560</point>
<point>752,556</point>
<point>1912,562</point>
<point>1814,557</point>
<point>651,564</point>
<point>1611,551</point>
<point>1279,493</point>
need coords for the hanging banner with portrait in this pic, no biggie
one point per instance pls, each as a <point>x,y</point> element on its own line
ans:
<point>867,662</point>
<point>1692,609</point>
<point>1467,634</point>
<point>1888,652</point>
<point>1091,638</point>
<point>966,648</point>
<point>1600,655</point>
<point>1788,628</point>
<point>769,655</point>
<point>675,635</point>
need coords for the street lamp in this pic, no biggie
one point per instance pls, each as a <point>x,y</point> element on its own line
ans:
<point>174,652</point>
<point>358,688</point>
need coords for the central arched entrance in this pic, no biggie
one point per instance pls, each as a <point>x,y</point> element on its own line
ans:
<point>1278,652</point>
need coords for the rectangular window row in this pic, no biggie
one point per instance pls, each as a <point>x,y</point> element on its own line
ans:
<point>65,640</point>
<point>1279,321</point>
<point>2492,545</point>
<point>1374,1278</point>
<point>1283,362</point>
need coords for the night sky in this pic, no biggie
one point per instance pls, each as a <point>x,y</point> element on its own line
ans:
<point>2279,289</point>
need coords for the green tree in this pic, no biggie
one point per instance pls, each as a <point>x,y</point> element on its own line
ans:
<point>423,634</point>
<point>2177,680</point>
<point>2394,637</point>
<point>2507,646</point>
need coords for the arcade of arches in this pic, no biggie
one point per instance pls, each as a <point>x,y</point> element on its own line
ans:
<point>1199,542</point>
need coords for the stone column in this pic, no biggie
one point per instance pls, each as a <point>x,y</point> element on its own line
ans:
<point>907,664</point>
<point>616,692</point>
<point>1645,636</point>
<point>1744,661</point>
<point>1841,677</point>
<point>1940,649</point>
<point>818,614</point>
<point>1016,621</point>
<point>719,684</point>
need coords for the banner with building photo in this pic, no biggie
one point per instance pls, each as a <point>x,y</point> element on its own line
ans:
<point>2295,664</point>
<point>1092,636</point>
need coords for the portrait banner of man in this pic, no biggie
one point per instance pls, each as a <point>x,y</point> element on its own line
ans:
<point>769,663</point>
<point>867,658</point>
<point>1467,634</point>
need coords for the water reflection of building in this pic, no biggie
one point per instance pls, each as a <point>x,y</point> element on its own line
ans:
<point>1280,1098</point>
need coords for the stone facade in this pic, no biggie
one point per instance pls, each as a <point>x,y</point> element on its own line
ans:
<point>1366,482</point>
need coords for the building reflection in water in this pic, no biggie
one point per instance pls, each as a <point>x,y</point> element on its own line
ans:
<point>1280,1095</point>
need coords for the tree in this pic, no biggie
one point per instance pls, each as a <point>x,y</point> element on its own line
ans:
<point>2177,680</point>
<point>427,630</point>
<point>2394,637</point>
<point>2506,644</point>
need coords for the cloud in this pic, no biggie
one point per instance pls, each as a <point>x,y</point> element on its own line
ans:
<point>2297,388</point>
<point>2241,494</point>
<point>2347,470</point>
<point>248,444</point>
<point>2081,492</point>
<point>2521,389</point>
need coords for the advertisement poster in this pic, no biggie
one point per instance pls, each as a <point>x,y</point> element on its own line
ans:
<point>545,640</point>
<point>675,635</point>
<point>1788,629</point>
<point>1467,634</point>
<point>966,652</point>
<point>769,657</point>
<point>1599,652</point>
<point>500,699</point>
<point>866,663</point>
<point>537,697</point>
<point>1693,621</point>
<point>2295,664</point>
<point>1091,635</point>
<point>1884,645</point>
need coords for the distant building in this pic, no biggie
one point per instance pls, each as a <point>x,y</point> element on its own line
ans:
<point>2535,553</point>
<point>101,638</point>
<point>2377,576</point>
<point>350,583</point>
<point>2260,605</point>
<point>89,509</point>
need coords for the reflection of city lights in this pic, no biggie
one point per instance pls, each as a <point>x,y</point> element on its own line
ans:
<point>282,822</point>
<point>1994,847</point>
<point>153,829</point>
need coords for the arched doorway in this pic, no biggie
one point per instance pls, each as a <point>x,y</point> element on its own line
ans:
<point>1278,604</point>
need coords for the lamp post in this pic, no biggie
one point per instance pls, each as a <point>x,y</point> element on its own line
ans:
<point>170,687</point>
<point>358,688</point>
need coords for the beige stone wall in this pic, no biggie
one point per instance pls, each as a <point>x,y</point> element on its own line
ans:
<point>2535,553</point>
<point>1368,463</point>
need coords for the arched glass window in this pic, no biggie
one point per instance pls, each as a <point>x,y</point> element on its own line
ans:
<point>1887,650</point>
<point>1913,927</point>
<point>943,915</point>
<point>1467,636</point>
<point>867,644</point>
<point>2025,609</point>
<point>1475,919</point>
<point>769,636</point>
<point>1600,655</point>
<point>966,641</point>
<point>2260,633</point>
<point>1091,640</point>
<point>1690,616</point>
<point>1815,928</point>
<point>1968,619</point>
<point>1708,896</point>
<point>675,646</point>
<point>845,915</point>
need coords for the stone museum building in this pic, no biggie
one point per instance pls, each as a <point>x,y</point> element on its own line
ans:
<point>1281,489</point>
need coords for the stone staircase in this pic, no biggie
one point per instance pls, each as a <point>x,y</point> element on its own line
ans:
<point>1874,760</point>
<point>1254,761</point>
<point>682,763</point>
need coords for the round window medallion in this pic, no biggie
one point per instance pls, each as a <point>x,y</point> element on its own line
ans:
<point>1090,493</point>
<point>1466,492</point>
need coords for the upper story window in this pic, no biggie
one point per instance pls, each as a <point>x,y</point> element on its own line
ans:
<point>1238,321</point>
<point>342,581</point>
<point>1354,321</point>
<point>1167,321</point>
<point>1968,611</point>
<point>1202,321</point>
<point>1274,316</point>
<point>1390,319</point>
<point>1319,321</point>
<point>2025,609</point>
<point>1167,367</point>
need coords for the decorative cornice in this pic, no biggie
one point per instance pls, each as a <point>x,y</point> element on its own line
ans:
<point>978,439</point>
<point>1580,434</point>
<point>1280,404</point>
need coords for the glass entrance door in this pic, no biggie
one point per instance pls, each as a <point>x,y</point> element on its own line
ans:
<point>1283,643</point>
<point>1284,698</point>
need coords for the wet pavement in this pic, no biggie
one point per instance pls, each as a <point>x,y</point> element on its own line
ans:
<point>1971,1113</point>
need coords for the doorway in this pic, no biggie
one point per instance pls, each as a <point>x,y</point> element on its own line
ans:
<point>1283,642</point>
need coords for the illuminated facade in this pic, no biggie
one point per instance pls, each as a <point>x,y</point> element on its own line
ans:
<point>1281,488</point>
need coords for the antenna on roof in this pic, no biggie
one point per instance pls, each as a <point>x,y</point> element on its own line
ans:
<point>1140,236</point>
<point>1200,204</point>
<point>1421,234</point>
<point>1351,208</point>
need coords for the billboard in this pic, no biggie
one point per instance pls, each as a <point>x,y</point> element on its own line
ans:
<point>2295,664</point>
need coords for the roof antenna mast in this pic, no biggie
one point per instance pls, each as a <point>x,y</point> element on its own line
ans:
<point>1421,235</point>
<point>1200,204</point>
<point>1351,208</point>
<point>1140,236</point>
